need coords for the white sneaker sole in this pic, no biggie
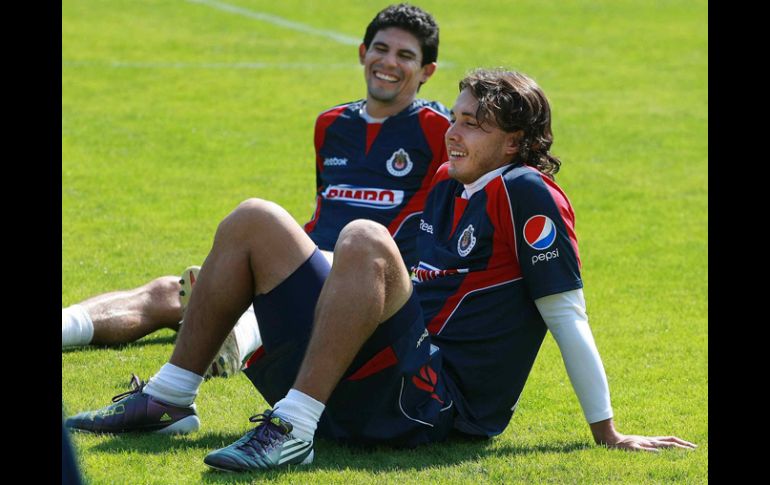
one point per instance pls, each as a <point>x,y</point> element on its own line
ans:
<point>307,461</point>
<point>227,362</point>
<point>187,280</point>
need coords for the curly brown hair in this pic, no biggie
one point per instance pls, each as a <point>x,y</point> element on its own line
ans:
<point>513,101</point>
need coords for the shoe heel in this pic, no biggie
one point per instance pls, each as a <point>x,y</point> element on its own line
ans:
<point>183,426</point>
<point>308,459</point>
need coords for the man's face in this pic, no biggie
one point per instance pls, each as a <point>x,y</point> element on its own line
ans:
<point>474,151</point>
<point>392,67</point>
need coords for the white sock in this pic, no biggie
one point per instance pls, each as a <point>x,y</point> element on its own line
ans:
<point>174,385</point>
<point>77,328</point>
<point>247,334</point>
<point>302,411</point>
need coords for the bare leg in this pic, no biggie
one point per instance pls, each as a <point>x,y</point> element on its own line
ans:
<point>255,248</point>
<point>126,316</point>
<point>367,285</point>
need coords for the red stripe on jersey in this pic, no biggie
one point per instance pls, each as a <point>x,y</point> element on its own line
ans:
<point>258,354</point>
<point>565,209</point>
<point>372,130</point>
<point>503,265</point>
<point>459,209</point>
<point>310,225</point>
<point>434,127</point>
<point>441,174</point>
<point>381,361</point>
<point>322,123</point>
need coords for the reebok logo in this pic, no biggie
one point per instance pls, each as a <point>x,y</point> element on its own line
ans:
<point>335,162</point>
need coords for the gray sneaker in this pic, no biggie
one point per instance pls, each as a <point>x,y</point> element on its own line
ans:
<point>227,362</point>
<point>270,445</point>
<point>135,411</point>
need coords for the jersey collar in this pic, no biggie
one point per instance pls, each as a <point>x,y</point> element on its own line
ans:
<point>482,182</point>
<point>367,117</point>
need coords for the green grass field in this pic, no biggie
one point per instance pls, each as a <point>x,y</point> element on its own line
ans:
<point>174,111</point>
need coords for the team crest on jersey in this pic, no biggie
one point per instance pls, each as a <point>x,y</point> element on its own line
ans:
<point>399,164</point>
<point>466,242</point>
<point>539,232</point>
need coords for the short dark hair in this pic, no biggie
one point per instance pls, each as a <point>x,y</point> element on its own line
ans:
<point>513,101</point>
<point>414,20</point>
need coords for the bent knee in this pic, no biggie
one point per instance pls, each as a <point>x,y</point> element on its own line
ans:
<point>252,214</point>
<point>365,238</point>
<point>256,209</point>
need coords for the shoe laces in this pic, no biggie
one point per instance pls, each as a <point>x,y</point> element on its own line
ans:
<point>135,385</point>
<point>270,428</point>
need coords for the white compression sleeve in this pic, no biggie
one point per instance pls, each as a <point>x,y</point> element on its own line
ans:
<point>76,326</point>
<point>565,315</point>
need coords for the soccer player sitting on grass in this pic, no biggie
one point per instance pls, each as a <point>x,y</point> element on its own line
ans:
<point>361,352</point>
<point>374,159</point>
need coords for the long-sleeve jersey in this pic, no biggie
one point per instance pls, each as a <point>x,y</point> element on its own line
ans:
<point>483,262</point>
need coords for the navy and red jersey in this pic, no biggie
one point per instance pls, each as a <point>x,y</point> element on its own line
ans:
<point>377,171</point>
<point>483,262</point>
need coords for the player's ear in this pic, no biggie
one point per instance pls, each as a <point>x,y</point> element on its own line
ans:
<point>512,141</point>
<point>361,53</point>
<point>427,71</point>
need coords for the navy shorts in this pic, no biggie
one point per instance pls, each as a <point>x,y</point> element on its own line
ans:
<point>393,393</point>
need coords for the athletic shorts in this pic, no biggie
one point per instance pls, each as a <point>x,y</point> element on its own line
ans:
<point>394,391</point>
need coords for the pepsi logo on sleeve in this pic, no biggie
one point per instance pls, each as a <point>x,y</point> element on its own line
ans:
<point>539,232</point>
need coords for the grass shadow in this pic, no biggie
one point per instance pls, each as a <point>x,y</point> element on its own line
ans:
<point>332,456</point>
<point>158,443</point>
